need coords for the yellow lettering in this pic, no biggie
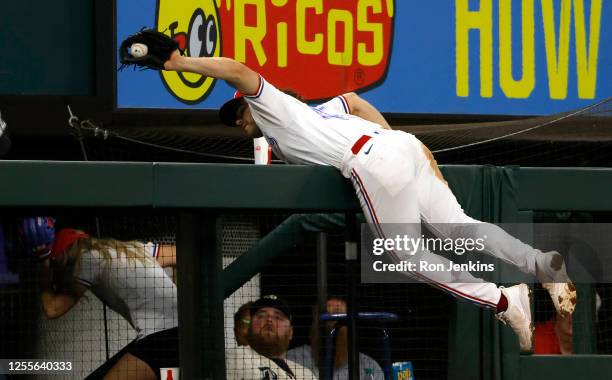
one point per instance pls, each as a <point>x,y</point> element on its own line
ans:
<point>586,62</point>
<point>557,65</point>
<point>305,46</point>
<point>465,21</point>
<point>281,44</point>
<point>244,33</point>
<point>374,57</point>
<point>516,88</point>
<point>390,8</point>
<point>334,56</point>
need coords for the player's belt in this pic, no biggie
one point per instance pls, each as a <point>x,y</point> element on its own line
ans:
<point>360,143</point>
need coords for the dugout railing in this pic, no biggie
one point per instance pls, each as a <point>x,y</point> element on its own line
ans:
<point>198,193</point>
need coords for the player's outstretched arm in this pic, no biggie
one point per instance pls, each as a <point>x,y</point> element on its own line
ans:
<point>360,107</point>
<point>235,73</point>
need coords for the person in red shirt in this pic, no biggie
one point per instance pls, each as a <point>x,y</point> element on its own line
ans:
<point>553,333</point>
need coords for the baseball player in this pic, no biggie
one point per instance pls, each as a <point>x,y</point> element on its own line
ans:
<point>270,332</point>
<point>394,175</point>
<point>128,277</point>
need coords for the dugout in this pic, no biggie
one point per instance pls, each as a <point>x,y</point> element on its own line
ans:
<point>179,198</point>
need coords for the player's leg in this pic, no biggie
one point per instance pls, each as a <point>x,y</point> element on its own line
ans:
<point>439,207</point>
<point>381,207</point>
<point>396,213</point>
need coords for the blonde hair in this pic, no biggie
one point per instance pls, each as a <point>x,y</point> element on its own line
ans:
<point>131,250</point>
<point>65,267</point>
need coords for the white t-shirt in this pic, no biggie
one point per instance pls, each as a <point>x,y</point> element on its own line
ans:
<point>245,363</point>
<point>303,356</point>
<point>300,134</point>
<point>141,292</point>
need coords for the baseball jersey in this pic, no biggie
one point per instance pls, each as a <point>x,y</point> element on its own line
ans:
<point>245,363</point>
<point>140,291</point>
<point>303,356</point>
<point>300,134</point>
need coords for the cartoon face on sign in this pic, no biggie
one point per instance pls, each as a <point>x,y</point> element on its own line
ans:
<point>194,24</point>
<point>317,48</point>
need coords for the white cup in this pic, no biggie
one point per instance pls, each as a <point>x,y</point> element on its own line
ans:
<point>169,373</point>
<point>262,151</point>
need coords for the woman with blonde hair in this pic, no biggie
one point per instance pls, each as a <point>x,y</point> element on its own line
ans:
<point>129,278</point>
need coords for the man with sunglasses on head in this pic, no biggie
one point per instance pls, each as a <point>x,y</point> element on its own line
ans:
<point>270,332</point>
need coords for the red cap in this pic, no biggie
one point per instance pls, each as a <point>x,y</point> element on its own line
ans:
<point>64,239</point>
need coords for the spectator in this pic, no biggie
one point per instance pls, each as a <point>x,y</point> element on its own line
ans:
<point>242,320</point>
<point>269,334</point>
<point>553,334</point>
<point>129,278</point>
<point>308,355</point>
<point>554,337</point>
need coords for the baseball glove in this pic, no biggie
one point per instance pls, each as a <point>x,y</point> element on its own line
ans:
<point>159,47</point>
<point>38,234</point>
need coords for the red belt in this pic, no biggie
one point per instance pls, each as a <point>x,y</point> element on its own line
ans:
<point>360,143</point>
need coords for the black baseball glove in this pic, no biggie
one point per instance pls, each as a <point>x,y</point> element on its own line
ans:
<point>159,48</point>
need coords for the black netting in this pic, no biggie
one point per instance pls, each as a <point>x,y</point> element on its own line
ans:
<point>580,137</point>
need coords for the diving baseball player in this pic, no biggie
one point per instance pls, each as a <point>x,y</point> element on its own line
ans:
<point>394,175</point>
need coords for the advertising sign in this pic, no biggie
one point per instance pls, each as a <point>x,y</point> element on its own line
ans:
<point>500,57</point>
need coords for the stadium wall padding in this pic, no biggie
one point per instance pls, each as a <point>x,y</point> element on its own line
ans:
<point>49,48</point>
<point>479,347</point>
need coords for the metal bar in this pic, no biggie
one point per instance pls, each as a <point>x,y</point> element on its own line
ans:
<point>330,353</point>
<point>351,258</point>
<point>322,291</point>
<point>189,275</point>
<point>386,344</point>
<point>200,297</point>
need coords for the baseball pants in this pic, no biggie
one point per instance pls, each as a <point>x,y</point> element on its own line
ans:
<point>396,184</point>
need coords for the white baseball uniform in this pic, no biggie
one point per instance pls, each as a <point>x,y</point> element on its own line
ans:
<point>394,180</point>
<point>140,291</point>
<point>303,356</point>
<point>244,363</point>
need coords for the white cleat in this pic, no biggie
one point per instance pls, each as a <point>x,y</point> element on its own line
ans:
<point>551,271</point>
<point>518,314</point>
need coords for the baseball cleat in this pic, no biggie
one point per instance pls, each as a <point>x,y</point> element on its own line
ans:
<point>552,273</point>
<point>518,314</point>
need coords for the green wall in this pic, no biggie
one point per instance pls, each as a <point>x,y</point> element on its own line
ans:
<point>48,47</point>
